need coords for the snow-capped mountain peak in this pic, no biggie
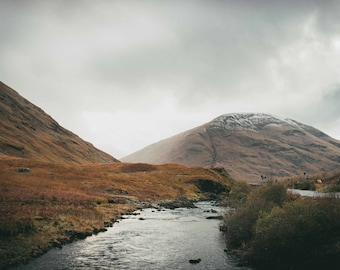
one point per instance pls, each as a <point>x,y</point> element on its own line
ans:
<point>248,145</point>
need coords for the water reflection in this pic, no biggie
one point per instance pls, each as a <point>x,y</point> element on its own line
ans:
<point>151,240</point>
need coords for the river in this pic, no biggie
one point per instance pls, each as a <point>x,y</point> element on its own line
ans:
<point>310,193</point>
<point>151,239</point>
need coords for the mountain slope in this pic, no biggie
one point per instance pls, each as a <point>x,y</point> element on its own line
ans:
<point>249,146</point>
<point>26,131</point>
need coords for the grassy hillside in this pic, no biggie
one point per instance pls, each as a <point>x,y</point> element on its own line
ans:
<point>43,205</point>
<point>26,131</point>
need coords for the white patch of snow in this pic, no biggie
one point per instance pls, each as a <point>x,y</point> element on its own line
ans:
<point>274,125</point>
<point>250,121</point>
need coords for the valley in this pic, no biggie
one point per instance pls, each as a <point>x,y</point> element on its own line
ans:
<point>45,205</point>
<point>56,188</point>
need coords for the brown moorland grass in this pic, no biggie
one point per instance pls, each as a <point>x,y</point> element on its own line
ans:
<point>26,131</point>
<point>44,205</point>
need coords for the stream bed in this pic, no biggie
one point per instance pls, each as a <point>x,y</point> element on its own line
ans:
<point>149,239</point>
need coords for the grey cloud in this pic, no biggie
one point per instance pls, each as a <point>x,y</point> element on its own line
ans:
<point>328,109</point>
<point>206,55</point>
<point>328,17</point>
<point>213,48</point>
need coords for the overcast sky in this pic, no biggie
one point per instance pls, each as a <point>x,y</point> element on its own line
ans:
<point>125,74</point>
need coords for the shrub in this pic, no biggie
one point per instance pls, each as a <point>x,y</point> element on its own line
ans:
<point>274,232</point>
<point>240,224</point>
<point>268,196</point>
<point>302,232</point>
<point>305,185</point>
<point>334,187</point>
<point>238,194</point>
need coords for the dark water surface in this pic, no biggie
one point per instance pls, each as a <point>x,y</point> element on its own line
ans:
<point>162,240</point>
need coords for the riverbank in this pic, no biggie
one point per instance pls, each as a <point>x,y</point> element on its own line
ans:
<point>55,233</point>
<point>44,205</point>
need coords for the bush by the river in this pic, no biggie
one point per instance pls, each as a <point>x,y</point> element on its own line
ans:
<point>305,185</point>
<point>274,230</point>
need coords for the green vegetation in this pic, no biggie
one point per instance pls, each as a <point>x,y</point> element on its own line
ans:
<point>335,187</point>
<point>271,229</point>
<point>238,194</point>
<point>305,185</point>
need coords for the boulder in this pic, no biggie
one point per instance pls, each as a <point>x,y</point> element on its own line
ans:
<point>177,204</point>
<point>195,261</point>
<point>23,170</point>
<point>215,217</point>
<point>207,185</point>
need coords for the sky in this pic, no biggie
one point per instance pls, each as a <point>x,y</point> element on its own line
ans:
<point>126,74</point>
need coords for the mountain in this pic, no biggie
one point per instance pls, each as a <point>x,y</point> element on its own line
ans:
<point>26,131</point>
<point>250,146</point>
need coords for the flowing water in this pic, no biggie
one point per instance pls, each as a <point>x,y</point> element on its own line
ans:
<point>153,239</point>
<point>310,193</point>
